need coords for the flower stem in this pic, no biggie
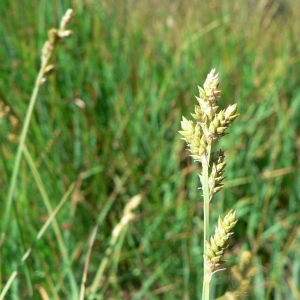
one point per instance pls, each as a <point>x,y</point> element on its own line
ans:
<point>12,186</point>
<point>205,165</point>
<point>205,289</point>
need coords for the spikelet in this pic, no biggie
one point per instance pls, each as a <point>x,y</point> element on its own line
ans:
<point>209,125</point>
<point>218,243</point>
<point>216,177</point>
<point>54,35</point>
<point>242,275</point>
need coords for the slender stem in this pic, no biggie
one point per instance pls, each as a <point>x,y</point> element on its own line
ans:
<point>47,52</point>
<point>62,246</point>
<point>105,261</point>
<point>87,261</point>
<point>206,204</point>
<point>206,196</point>
<point>12,186</point>
<point>206,193</point>
<point>205,294</point>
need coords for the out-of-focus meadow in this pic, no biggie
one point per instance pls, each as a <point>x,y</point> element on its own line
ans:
<point>108,119</point>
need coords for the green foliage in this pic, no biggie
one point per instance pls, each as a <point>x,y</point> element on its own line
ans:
<point>135,65</point>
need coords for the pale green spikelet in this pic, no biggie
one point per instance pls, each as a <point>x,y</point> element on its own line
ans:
<point>216,246</point>
<point>192,134</point>
<point>221,122</point>
<point>209,94</point>
<point>210,125</point>
<point>188,130</point>
<point>242,275</point>
<point>199,116</point>
<point>217,169</point>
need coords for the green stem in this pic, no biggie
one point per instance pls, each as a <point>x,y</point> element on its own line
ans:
<point>12,186</point>
<point>205,166</point>
<point>58,233</point>
<point>96,285</point>
<point>205,289</point>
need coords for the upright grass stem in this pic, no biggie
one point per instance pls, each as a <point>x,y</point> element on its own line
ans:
<point>119,230</point>
<point>54,36</point>
<point>209,128</point>
<point>206,198</point>
<point>58,234</point>
<point>12,185</point>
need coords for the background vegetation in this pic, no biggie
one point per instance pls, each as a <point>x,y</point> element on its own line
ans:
<point>107,120</point>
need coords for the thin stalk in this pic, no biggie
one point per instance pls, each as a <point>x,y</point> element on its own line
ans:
<point>54,35</point>
<point>13,180</point>
<point>104,263</point>
<point>118,234</point>
<point>57,231</point>
<point>206,196</point>
<point>206,277</point>
<point>87,261</point>
<point>205,290</point>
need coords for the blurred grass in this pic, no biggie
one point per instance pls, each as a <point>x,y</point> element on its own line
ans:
<point>136,66</point>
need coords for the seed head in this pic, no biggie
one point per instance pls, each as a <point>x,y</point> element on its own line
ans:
<point>210,125</point>
<point>216,246</point>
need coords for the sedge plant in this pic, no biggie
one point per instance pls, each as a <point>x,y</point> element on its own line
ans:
<point>201,137</point>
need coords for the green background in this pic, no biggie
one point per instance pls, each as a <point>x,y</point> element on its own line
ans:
<point>108,119</point>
